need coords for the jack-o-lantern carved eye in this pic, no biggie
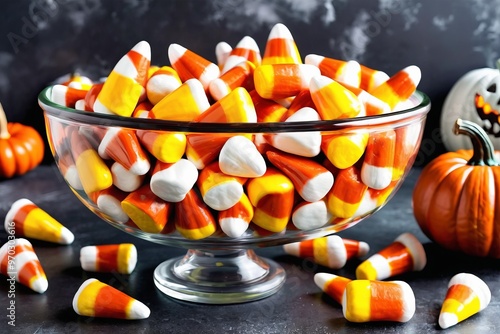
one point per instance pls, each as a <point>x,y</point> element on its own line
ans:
<point>492,88</point>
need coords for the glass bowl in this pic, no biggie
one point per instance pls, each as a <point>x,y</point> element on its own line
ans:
<point>220,266</point>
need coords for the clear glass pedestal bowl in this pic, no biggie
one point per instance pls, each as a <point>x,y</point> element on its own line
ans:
<point>222,269</point>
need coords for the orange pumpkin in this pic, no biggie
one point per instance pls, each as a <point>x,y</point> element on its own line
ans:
<point>21,148</point>
<point>456,200</point>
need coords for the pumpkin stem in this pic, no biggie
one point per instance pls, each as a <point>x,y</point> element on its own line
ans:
<point>482,147</point>
<point>4,132</point>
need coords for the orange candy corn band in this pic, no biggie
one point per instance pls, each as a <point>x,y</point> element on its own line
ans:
<point>193,219</point>
<point>332,285</point>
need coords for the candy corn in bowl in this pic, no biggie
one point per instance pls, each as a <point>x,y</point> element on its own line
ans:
<point>255,149</point>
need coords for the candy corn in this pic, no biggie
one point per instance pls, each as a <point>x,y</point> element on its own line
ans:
<point>235,220</point>
<point>281,47</point>
<point>279,81</point>
<point>218,190</point>
<point>239,157</point>
<point>30,221</point>
<point>301,100</point>
<point>467,295</point>
<point>246,50</point>
<point>331,251</point>
<point>67,96</point>
<point>123,147</point>
<point>240,75</point>
<point>344,150</point>
<point>347,193</point>
<point>202,149</point>
<point>68,170</point>
<point>193,219</point>
<point>235,107</point>
<point>78,81</point>
<point>311,180</point>
<point>348,72</point>
<point>124,180</point>
<point>126,83</point>
<point>191,65</point>
<point>92,95</point>
<point>399,87</point>
<point>222,52</point>
<point>109,202</point>
<point>333,100</point>
<point>183,104</point>
<point>120,258</point>
<point>272,196</point>
<point>406,137</point>
<point>365,301</point>
<point>165,146</point>
<point>370,78</point>
<point>405,254</point>
<point>267,110</point>
<point>377,168</point>
<point>149,212</point>
<point>332,285</point>
<point>19,260</point>
<point>94,173</point>
<point>372,105</point>
<point>96,299</point>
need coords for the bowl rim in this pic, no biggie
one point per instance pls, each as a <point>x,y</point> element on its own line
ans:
<point>421,100</point>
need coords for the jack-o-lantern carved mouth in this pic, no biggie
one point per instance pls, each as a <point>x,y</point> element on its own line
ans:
<point>489,116</point>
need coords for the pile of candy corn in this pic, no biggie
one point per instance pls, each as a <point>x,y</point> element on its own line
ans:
<point>161,182</point>
<point>369,297</point>
<point>19,262</point>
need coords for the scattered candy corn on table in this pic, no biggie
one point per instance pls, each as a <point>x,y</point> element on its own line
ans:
<point>298,307</point>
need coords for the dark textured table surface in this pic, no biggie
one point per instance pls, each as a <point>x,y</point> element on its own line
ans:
<point>299,307</point>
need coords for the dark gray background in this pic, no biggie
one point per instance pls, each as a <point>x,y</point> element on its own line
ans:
<point>41,40</point>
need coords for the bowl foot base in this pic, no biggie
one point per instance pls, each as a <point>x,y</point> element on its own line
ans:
<point>219,277</point>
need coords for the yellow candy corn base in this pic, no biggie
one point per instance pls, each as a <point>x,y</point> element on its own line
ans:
<point>246,277</point>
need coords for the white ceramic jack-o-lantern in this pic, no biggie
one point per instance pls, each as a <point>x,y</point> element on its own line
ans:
<point>474,97</point>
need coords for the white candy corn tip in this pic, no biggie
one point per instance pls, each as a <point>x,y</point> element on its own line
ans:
<point>218,89</point>
<point>125,180</point>
<point>351,73</point>
<point>447,319</point>
<point>414,73</point>
<point>311,215</point>
<point>233,227</point>
<point>408,306</point>
<point>222,51</point>
<point>224,195</point>
<point>321,279</point>
<point>173,183</point>
<point>239,157</point>
<point>72,177</point>
<point>416,249</point>
<point>319,82</point>
<point>197,90</point>
<point>112,207</point>
<point>313,59</point>
<point>363,248</point>
<point>317,187</point>
<point>138,311</point>
<point>67,237</point>
<point>143,48</point>
<point>292,248</point>
<point>280,31</point>
<point>40,284</point>
<point>175,52</point>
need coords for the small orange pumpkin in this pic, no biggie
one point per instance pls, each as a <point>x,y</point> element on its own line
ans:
<point>456,200</point>
<point>21,148</point>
